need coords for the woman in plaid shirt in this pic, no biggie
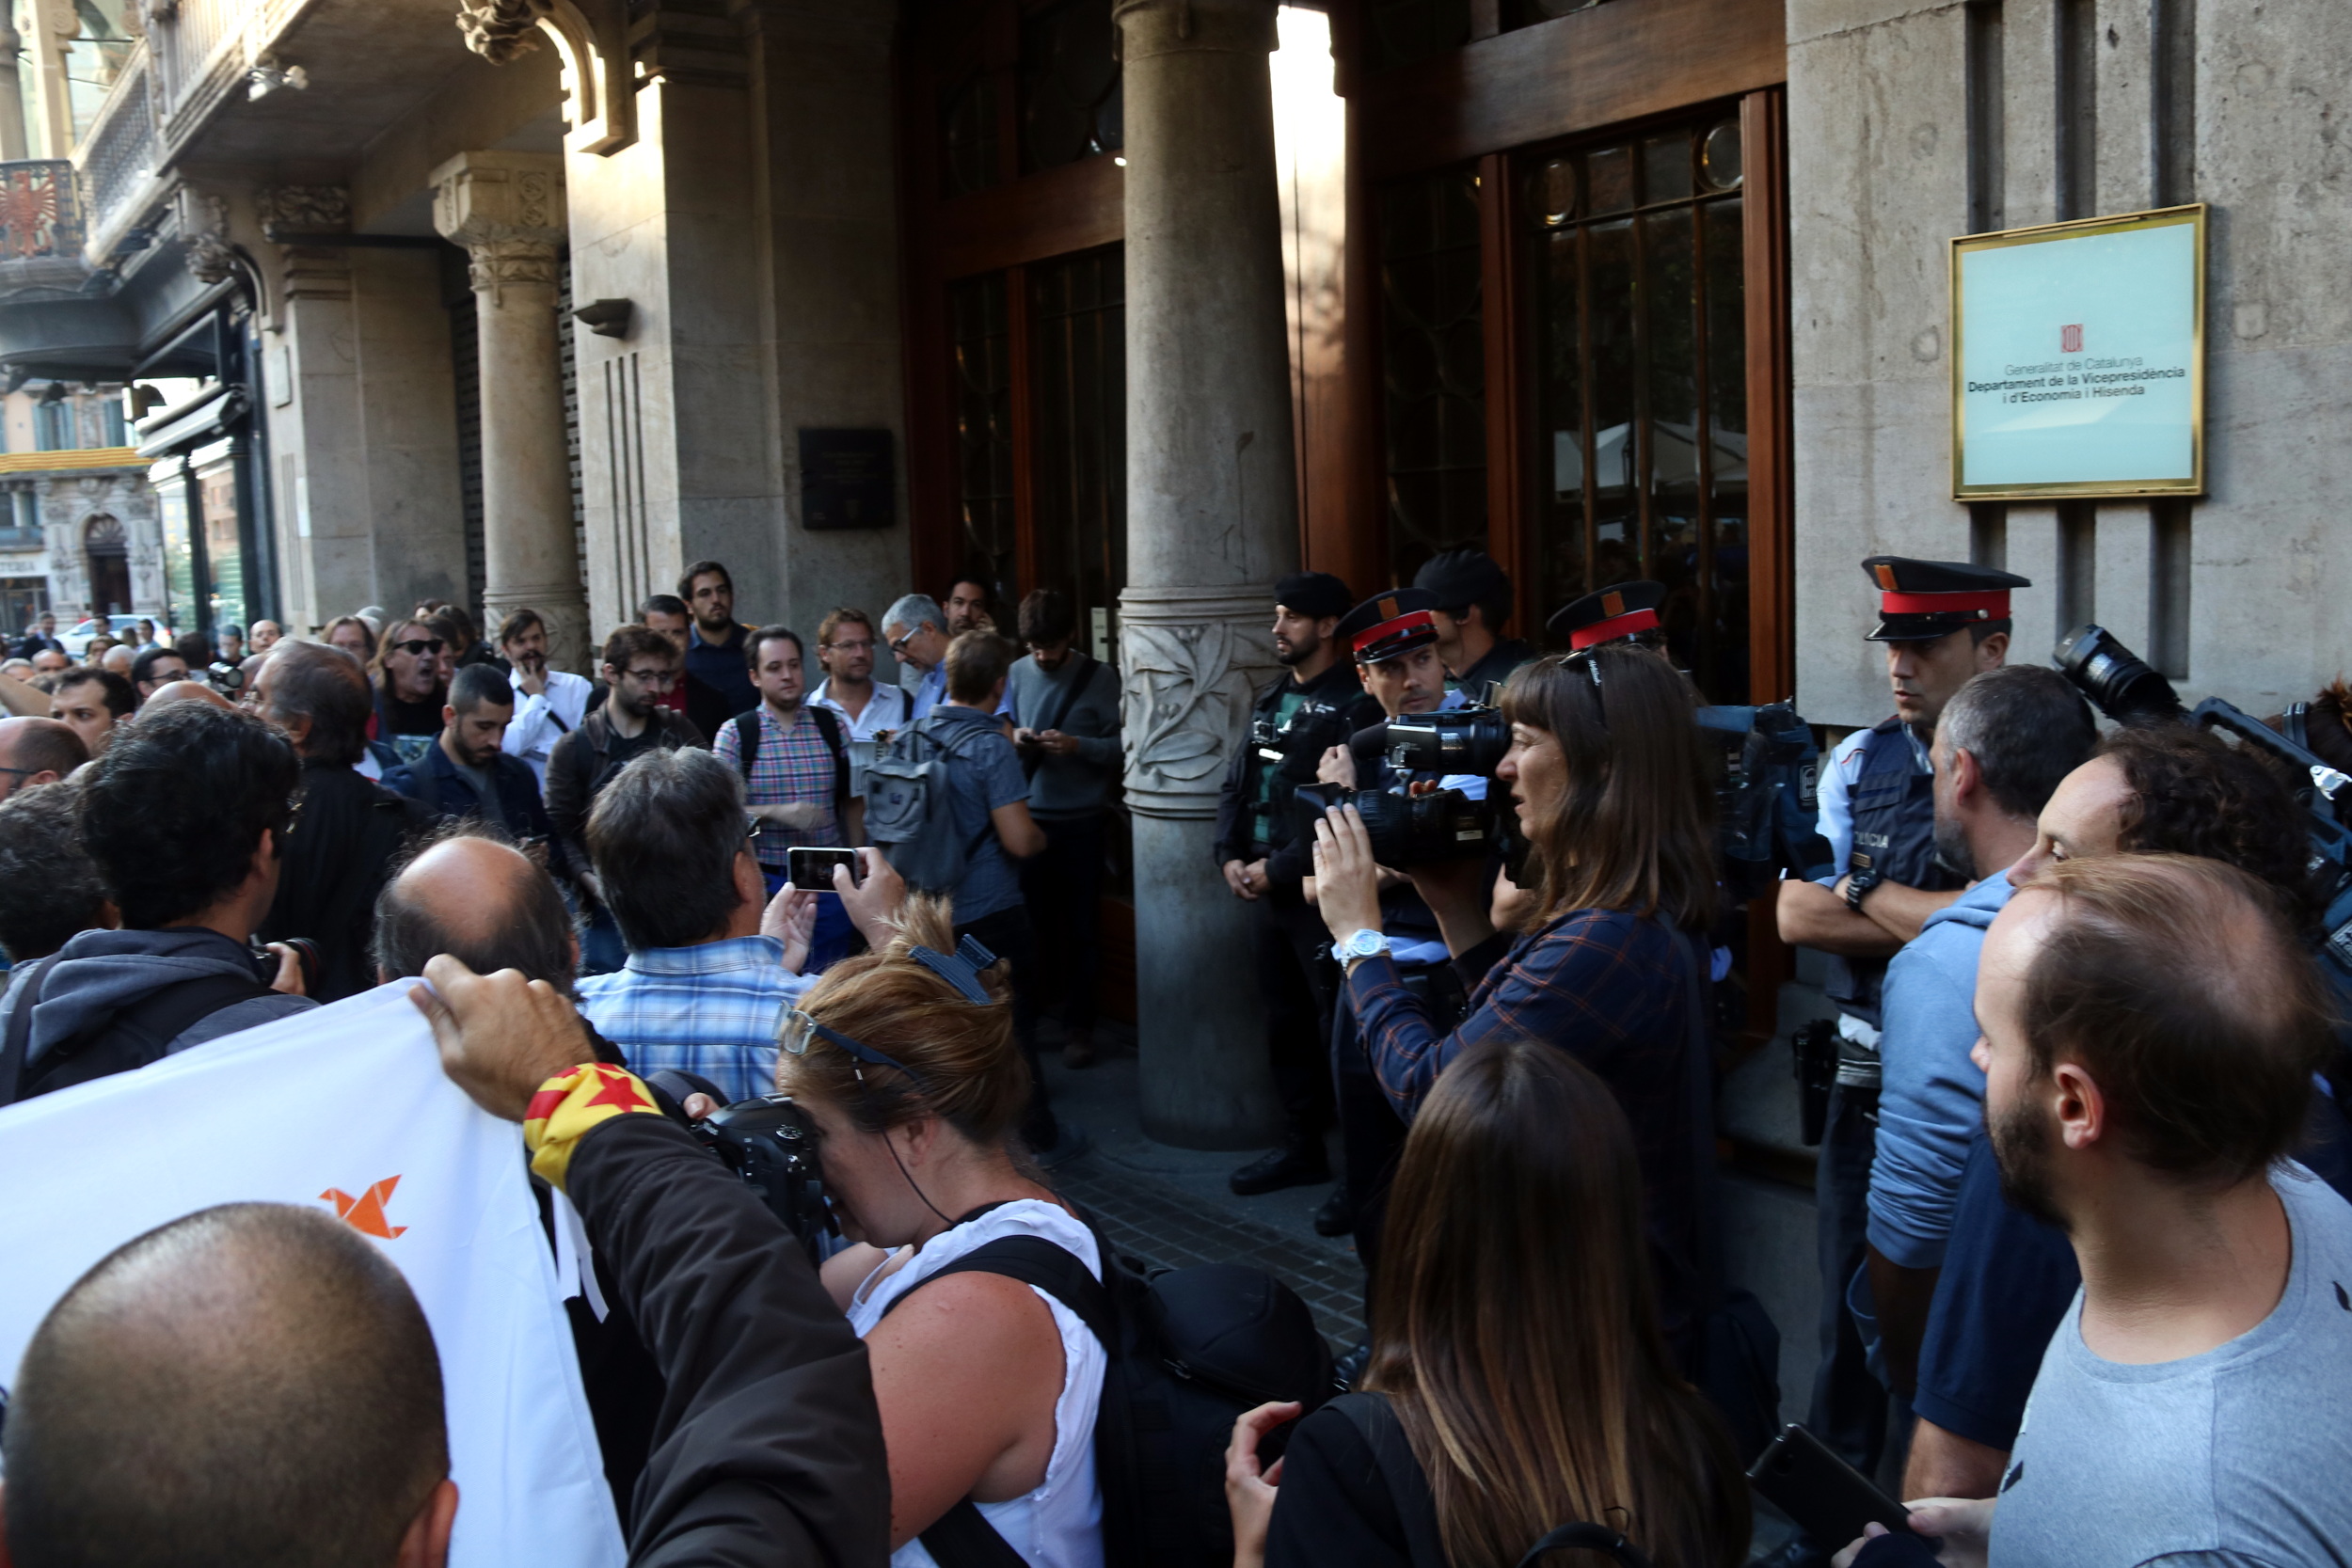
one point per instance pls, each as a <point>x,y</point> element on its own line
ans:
<point>1611,787</point>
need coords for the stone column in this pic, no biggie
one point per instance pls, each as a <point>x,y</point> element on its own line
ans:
<point>1212,522</point>
<point>507,210</point>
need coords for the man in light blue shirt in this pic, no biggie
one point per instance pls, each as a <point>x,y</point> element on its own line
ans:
<point>911,629</point>
<point>706,986</point>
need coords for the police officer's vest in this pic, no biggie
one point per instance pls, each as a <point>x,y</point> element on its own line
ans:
<point>1893,833</point>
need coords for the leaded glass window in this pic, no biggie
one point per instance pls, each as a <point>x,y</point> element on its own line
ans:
<point>1433,360</point>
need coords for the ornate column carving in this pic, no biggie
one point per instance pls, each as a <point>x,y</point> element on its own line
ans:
<point>1212,522</point>
<point>507,210</point>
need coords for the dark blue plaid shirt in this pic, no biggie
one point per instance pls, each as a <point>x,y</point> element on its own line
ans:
<point>1610,990</point>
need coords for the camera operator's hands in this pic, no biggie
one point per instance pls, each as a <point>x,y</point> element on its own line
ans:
<point>873,904</point>
<point>1347,880</point>
<point>1338,767</point>
<point>288,978</point>
<point>791,918</point>
<point>501,1035</point>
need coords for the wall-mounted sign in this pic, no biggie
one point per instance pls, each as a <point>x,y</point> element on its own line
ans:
<point>2079,359</point>
<point>846,479</point>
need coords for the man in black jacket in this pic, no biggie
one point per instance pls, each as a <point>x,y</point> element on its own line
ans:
<point>351,829</point>
<point>1296,720</point>
<point>768,1448</point>
<point>467,774</point>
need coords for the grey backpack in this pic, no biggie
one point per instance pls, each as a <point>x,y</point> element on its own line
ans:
<point>910,808</point>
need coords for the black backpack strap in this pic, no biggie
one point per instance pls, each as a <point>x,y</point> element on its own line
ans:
<point>746,741</point>
<point>829,726</point>
<point>1408,1486</point>
<point>964,1537</point>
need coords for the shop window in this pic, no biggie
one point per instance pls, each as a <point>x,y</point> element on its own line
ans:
<point>1071,104</point>
<point>1433,368</point>
<point>1634,348</point>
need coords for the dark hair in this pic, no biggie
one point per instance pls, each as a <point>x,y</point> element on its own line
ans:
<point>2194,794</point>
<point>519,924</point>
<point>1979,630</point>
<point>836,619</point>
<point>2027,726</point>
<point>971,1067</point>
<point>1515,1325</point>
<point>194,648</point>
<point>476,684</point>
<point>142,668</point>
<point>1047,617</point>
<point>977,660</point>
<point>2176,983</point>
<point>49,886</point>
<point>120,698</point>
<point>461,626</point>
<point>662,604</point>
<point>367,635</point>
<point>627,642</point>
<point>663,836</point>
<point>519,622</point>
<point>701,568</point>
<point>251,1383</point>
<point>325,685</point>
<point>1632,831</point>
<point>49,746</point>
<point>770,634</point>
<point>175,808</point>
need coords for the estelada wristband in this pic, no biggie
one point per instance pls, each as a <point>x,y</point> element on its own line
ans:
<point>568,1104</point>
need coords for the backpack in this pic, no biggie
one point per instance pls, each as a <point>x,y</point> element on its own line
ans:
<point>133,1037</point>
<point>746,727</point>
<point>1188,1350</point>
<point>909,807</point>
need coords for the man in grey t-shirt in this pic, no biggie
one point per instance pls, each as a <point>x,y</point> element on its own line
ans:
<point>2150,1030</point>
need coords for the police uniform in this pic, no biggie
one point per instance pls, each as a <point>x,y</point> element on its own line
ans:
<point>1877,812</point>
<point>1458,579</point>
<point>1291,725</point>
<point>1622,612</point>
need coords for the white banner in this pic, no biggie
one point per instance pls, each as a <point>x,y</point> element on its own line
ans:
<point>347,1109</point>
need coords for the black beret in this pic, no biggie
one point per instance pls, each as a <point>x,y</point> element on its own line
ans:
<point>1314,594</point>
<point>1464,578</point>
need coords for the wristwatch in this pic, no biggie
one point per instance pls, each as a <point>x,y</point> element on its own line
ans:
<point>1858,885</point>
<point>1364,942</point>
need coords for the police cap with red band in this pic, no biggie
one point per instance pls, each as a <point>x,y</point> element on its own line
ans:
<point>1390,625</point>
<point>1612,615</point>
<point>1923,599</point>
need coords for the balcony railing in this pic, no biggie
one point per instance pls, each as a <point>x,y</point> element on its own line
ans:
<point>117,155</point>
<point>41,211</point>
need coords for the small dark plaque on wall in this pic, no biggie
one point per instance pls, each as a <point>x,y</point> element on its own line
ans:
<point>846,479</point>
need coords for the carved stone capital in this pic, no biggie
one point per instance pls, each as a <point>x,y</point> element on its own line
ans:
<point>495,264</point>
<point>1148,27</point>
<point>500,196</point>
<point>203,221</point>
<point>305,209</point>
<point>1192,661</point>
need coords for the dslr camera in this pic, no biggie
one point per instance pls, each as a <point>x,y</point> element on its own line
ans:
<point>227,679</point>
<point>769,1144</point>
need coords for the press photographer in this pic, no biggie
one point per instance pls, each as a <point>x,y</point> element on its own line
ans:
<point>1608,783</point>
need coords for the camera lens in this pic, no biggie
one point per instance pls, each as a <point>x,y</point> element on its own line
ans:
<point>2118,681</point>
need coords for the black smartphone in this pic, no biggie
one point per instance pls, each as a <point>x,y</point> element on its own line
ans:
<point>1829,1499</point>
<point>811,870</point>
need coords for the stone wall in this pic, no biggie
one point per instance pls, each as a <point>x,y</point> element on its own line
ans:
<point>1911,123</point>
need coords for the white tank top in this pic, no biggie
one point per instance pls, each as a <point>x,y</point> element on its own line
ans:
<point>1059,1525</point>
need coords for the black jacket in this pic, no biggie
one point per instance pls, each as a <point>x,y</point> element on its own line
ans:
<point>334,864</point>
<point>1288,861</point>
<point>1483,682</point>
<point>768,1448</point>
<point>584,761</point>
<point>435,782</point>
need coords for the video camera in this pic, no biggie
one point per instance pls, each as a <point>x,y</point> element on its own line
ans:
<point>227,679</point>
<point>2120,685</point>
<point>770,1143</point>
<point>1410,828</point>
<point>1768,804</point>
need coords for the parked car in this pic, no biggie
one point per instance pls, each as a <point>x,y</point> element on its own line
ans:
<point>123,628</point>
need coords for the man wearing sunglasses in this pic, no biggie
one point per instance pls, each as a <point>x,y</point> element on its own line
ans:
<point>410,691</point>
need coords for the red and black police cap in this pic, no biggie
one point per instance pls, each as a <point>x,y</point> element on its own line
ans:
<point>1390,625</point>
<point>1610,614</point>
<point>1314,595</point>
<point>1919,600</point>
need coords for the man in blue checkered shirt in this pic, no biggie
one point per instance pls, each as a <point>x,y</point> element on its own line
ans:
<point>795,764</point>
<point>705,986</point>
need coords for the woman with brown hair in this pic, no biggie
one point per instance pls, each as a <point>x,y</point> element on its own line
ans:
<point>905,1060</point>
<point>1519,1381</point>
<point>1611,787</point>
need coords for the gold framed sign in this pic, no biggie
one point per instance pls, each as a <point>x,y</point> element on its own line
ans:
<point>2079,359</point>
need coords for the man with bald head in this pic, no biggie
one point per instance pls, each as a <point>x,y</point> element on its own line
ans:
<point>184,691</point>
<point>472,894</point>
<point>37,750</point>
<point>252,1384</point>
<point>352,828</point>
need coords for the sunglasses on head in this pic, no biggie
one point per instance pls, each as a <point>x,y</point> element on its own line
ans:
<point>420,645</point>
<point>959,969</point>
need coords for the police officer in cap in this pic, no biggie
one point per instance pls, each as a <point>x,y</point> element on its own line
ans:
<point>1473,604</point>
<point>1942,623</point>
<point>1622,612</point>
<point>1298,718</point>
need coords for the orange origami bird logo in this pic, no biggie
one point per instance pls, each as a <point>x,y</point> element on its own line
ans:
<point>365,1213</point>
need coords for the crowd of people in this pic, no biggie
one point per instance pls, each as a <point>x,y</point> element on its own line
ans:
<point>2084,1253</point>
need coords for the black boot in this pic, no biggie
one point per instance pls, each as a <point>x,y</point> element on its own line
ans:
<point>1294,1166</point>
<point>1337,1216</point>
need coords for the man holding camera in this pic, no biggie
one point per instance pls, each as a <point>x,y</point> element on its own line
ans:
<point>1296,718</point>
<point>1942,623</point>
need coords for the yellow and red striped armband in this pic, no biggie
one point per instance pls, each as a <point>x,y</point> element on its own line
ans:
<point>568,1104</point>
